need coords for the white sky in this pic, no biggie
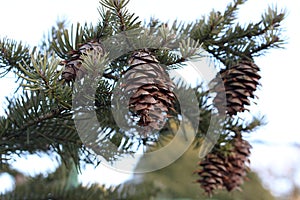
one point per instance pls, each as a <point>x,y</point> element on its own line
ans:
<point>28,20</point>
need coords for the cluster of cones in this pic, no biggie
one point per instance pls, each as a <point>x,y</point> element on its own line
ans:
<point>151,98</point>
<point>225,171</point>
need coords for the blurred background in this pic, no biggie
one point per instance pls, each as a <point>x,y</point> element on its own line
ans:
<point>276,146</point>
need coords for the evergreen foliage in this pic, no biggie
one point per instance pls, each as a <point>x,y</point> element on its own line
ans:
<point>41,117</point>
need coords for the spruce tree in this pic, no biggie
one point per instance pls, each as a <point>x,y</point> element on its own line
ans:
<point>118,71</point>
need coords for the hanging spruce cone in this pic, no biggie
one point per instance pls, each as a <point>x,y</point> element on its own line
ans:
<point>212,173</point>
<point>150,90</point>
<point>237,164</point>
<point>73,67</point>
<point>240,81</point>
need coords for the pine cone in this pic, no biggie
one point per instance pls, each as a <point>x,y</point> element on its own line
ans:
<point>212,173</point>
<point>237,164</point>
<point>240,81</point>
<point>73,68</point>
<point>150,90</point>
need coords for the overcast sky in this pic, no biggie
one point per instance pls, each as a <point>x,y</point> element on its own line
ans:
<point>29,20</point>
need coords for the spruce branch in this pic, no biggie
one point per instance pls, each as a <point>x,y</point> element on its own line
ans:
<point>63,41</point>
<point>12,53</point>
<point>124,19</point>
<point>45,78</point>
<point>229,42</point>
<point>41,119</point>
<point>230,11</point>
<point>33,123</point>
<point>104,28</point>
